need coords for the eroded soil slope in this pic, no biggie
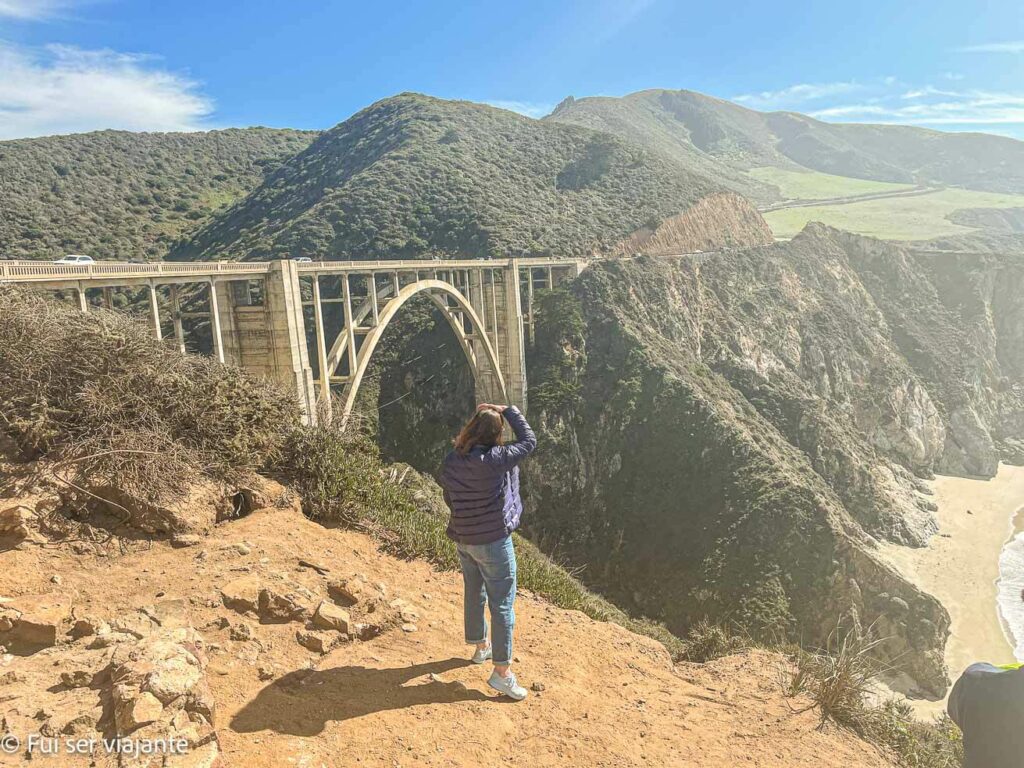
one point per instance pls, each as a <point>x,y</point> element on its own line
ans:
<point>237,643</point>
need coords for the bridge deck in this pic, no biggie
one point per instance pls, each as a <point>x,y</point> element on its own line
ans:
<point>112,273</point>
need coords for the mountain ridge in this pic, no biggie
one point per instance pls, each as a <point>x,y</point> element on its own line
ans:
<point>413,176</point>
<point>683,121</point>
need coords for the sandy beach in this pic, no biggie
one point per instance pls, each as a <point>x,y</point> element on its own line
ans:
<point>960,566</point>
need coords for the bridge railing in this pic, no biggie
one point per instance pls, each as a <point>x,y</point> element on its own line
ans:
<point>428,265</point>
<point>28,270</point>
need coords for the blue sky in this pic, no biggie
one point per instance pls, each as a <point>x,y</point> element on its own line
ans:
<point>75,65</point>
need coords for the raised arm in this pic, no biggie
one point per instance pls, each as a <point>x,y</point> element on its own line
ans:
<point>509,455</point>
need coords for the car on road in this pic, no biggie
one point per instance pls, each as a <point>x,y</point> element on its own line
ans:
<point>75,258</point>
<point>302,259</point>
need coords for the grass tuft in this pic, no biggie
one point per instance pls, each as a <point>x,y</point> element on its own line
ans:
<point>839,679</point>
<point>707,641</point>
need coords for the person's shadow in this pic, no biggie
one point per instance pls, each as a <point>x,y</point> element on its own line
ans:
<point>301,702</point>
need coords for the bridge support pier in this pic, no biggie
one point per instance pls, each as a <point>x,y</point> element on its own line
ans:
<point>215,326</point>
<point>154,312</point>
<point>488,388</point>
<point>179,330</point>
<point>514,361</point>
<point>229,305</point>
<point>288,358</point>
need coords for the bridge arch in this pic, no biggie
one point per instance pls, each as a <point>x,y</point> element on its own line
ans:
<point>439,292</point>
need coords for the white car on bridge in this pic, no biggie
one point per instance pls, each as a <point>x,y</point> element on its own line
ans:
<point>75,258</point>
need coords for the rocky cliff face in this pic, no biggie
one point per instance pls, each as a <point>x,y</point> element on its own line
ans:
<point>956,319</point>
<point>725,435</point>
<point>689,461</point>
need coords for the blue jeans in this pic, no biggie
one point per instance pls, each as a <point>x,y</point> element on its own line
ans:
<point>489,573</point>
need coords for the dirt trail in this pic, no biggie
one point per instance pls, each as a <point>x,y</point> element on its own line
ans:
<point>408,697</point>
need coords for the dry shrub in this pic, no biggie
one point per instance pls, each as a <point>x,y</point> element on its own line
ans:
<point>707,641</point>
<point>96,393</point>
<point>839,677</point>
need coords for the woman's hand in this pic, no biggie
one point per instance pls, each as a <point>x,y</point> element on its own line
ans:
<point>491,407</point>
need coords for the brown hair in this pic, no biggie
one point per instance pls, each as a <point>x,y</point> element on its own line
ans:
<point>483,429</point>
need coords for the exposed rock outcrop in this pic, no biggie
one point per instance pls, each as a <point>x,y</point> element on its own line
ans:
<point>722,220</point>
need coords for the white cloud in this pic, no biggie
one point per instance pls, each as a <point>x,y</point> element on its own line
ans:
<point>533,109</point>
<point>892,100</point>
<point>795,94</point>
<point>928,90</point>
<point>1010,46</point>
<point>34,10</point>
<point>933,106</point>
<point>62,89</point>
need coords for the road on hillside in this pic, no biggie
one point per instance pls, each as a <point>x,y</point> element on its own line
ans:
<point>916,191</point>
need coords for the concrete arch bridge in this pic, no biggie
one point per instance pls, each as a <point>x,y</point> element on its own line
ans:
<point>262,313</point>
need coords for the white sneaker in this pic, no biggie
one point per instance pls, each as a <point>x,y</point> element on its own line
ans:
<point>481,655</point>
<point>507,685</point>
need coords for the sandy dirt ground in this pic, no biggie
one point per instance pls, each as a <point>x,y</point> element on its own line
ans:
<point>960,565</point>
<point>409,697</point>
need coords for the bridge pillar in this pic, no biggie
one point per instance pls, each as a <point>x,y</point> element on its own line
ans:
<point>486,379</point>
<point>229,305</point>
<point>154,311</point>
<point>270,339</point>
<point>513,361</point>
<point>179,329</point>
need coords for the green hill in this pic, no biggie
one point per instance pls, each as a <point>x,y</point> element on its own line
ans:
<point>414,176</point>
<point>122,195</point>
<point>702,129</point>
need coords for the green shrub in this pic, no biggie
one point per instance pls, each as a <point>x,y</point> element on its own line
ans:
<point>917,744</point>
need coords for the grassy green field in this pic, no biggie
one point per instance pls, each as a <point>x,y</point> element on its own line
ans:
<point>812,185</point>
<point>918,217</point>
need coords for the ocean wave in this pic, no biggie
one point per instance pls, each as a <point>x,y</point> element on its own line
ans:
<point>1011,592</point>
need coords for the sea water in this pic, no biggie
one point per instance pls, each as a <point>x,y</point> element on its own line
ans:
<point>1011,592</point>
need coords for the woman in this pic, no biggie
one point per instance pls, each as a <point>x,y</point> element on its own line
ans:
<point>481,487</point>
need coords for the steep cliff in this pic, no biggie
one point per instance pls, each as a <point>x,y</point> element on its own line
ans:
<point>956,318</point>
<point>726,434</point>
<point>693,470</point>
